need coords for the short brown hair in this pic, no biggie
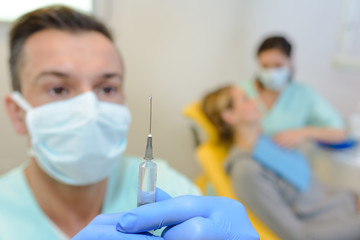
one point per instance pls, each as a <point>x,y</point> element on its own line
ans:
<point>213,104</point>
<point>51,17</point>
<point>276,42</point>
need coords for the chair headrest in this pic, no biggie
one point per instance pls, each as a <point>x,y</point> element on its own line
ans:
<point>195,113</point>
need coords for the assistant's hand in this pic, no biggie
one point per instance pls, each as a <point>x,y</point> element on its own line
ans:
<point>186,217</point>
<point>291,138</point>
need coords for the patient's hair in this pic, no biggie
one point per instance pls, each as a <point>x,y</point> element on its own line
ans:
<point>52,17</point>
<point>213,105</point>
<point>275,42</point>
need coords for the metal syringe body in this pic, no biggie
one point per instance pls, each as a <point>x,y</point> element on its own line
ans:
<point>147,172</point>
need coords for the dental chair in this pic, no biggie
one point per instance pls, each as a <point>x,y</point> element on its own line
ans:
<point>211,155</point>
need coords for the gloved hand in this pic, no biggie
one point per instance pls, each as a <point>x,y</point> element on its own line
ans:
<point>186,217</point>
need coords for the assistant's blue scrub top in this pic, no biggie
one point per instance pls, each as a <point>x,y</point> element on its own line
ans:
<point>297,106</point>
<point>22,218</point>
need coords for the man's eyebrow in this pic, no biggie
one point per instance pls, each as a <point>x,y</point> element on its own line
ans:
<point>62,75</point>
<point>53,73</point>
<point>111,75</point>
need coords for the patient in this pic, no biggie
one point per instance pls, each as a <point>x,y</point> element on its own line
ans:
<point>278,184</point>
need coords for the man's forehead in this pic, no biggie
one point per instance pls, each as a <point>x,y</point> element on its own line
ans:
<point>57,47</point>
<point>84,54</point>
<point>64,41</point>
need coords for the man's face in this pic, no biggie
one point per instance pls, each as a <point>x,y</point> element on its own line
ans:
<point>59,65</point>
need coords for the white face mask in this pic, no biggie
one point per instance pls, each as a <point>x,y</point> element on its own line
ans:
<point>275,78</point>
<point>77,141</point>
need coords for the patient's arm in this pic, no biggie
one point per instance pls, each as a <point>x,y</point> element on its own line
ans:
<point>264,197</point>
<point>293,138</point>
<point>330,135</point>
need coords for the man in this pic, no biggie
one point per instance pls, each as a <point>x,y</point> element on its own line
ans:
<point>69,101</point>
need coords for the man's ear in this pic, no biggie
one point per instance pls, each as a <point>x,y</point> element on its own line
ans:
<point>16,115</point>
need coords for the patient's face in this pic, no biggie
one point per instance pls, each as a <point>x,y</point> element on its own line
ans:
<point>244,109</point>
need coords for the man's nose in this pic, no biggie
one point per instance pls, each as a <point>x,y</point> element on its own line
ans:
<point>84,88</point>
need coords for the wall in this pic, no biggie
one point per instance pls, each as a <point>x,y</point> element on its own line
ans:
<point>178,50</point>
<point>12,147</point>
<point>174,50</point>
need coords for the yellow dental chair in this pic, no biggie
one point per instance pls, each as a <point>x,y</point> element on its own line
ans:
<point>211,156</point>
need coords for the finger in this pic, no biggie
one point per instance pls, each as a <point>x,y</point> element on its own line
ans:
<point>166,229</point>
<point>107,232</point>
<point>195,228</point>
<point>161,195</point>
<point>284,142</point>
<point>129,236</point>
<point>278,136</point>
<point>107,219</point>
<point>139,236</point>
<point>287,146</point>
<point>95,232</point>
<point>165,213</point>
<point>290,143</point>
<point>278,139</point>
<point>280,142</point>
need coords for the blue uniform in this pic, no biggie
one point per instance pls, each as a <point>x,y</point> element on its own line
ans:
<point>297,106</point>
<point>22,218</point>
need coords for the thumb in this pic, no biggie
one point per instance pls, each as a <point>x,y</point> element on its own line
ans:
<point>161,195</point>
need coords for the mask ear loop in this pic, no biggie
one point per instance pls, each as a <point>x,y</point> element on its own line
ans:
<point>23,104</point>
<point>31,152</point>
<point>20,101</point>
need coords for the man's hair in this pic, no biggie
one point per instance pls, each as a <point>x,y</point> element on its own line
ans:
<point>276,42</point>
<point>51,17</point>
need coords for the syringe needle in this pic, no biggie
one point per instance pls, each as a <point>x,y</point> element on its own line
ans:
<point>150,97</point>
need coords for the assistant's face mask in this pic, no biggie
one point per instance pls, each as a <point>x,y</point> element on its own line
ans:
<point>77,141</point>
<point>275,79</point>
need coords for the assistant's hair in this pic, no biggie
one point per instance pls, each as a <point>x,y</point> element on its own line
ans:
<point>52,17</point>
<point>275,42</point>
<point>213,105</point>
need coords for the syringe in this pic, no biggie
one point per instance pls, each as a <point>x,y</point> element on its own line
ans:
<point>147,172</point>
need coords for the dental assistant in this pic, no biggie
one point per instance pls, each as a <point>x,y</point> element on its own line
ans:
<point>69,101</point>
<point>292,112</point>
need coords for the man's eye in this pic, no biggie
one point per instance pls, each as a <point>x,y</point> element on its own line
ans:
<point>107,90</point>
<point>58,91</point>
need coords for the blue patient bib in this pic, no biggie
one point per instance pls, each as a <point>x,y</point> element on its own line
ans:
<point>287,164</point>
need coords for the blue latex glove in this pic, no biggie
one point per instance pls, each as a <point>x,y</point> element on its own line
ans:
<point>186,217</point>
